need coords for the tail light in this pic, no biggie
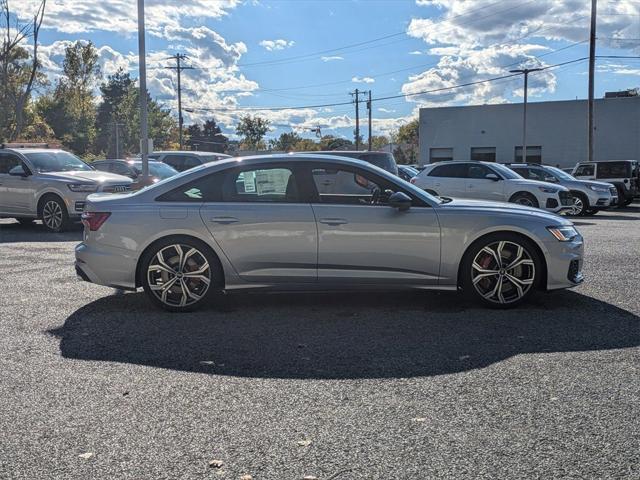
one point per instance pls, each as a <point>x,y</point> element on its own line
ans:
<point>94,220</point>
<point>413,180</point>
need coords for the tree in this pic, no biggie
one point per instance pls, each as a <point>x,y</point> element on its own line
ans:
<point>329,142</point>
<point>18,70</point>
<point>379,141</point>
<point>285,142</point>
<point>408,142</point>
<point>207,137</point>
<point>305,145</point>
<point>252,130</point>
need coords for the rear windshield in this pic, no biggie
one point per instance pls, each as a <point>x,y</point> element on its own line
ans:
<point>614,170</point>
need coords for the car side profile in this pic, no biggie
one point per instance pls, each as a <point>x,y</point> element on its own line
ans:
<point>491,181</point>
<point>133,169</point>
<point>50,185</point>
<point>588,197</point>
<point>623,174</point>
<point>263,222</point>
<point>184,160</point>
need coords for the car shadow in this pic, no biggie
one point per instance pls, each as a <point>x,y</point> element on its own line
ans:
<point>340,335</point>
<point>14,232</point>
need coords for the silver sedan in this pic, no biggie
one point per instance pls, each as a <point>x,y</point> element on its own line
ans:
<point>305,221</point>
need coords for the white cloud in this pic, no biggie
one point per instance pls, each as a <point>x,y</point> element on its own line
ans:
<point>278,44</point>
<point>416,52</point>
<point>79,16</point>
<point>362,80</point>
<point>331,58</point>
<point>385,110</point>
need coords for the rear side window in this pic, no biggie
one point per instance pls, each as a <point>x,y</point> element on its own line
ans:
<point>8,162</point>
<point>585,171</point>
<point>103,167</point>
<point>190,162</point>
<point>261,185</point>
<point>523,172</point>
<point>204,189</point>
<point>451,170</point>
<point>614,170</point>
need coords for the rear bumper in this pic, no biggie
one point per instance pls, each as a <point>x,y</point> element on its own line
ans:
<point>108,266</point>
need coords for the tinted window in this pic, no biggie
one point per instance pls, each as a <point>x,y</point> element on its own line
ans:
<point>176,161</point>
<point>349,187</point>
<point>537,174</point>
<point>190,162</point>
<point>451,170</point>
<point>8,162</point>
<point>614,170</point>
<point>205,189</point>
<point>102,166</point>
<point>523,172</point>
<point>382,160</point>
<point>585,171</point>
<point>478,171</point>
<point>261,185</point>
<point>121,169</point>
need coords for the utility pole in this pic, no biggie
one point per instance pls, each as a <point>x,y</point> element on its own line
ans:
<point>369,108</point>
<point>592,67</point>
<point>144,134</point>
<point>178,57</point>
<point>357,102</point>
<point>525,72</point>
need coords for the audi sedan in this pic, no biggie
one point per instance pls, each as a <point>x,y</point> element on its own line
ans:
<point>283,222</point>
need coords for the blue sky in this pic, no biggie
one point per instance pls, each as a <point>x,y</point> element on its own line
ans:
<point>268,53</point>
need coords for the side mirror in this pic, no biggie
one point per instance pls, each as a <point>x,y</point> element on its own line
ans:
<point>400,200</point>
<point>492,176</point>
<point>550,179</point>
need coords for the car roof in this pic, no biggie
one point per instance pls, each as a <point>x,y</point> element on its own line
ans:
<point>288,157</point>
<point>199,153</point>
<point>606,161</point>
<point>33,150</point>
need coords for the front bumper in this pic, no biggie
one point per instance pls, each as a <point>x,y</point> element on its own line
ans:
<point>108,266</point>
<point>564,263</point>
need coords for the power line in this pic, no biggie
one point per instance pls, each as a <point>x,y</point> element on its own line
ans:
<point>178,68</point>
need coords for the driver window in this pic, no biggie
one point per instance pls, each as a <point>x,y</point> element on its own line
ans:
<point>478,171</point>
<point>340,186</point>
<point>9,163</point>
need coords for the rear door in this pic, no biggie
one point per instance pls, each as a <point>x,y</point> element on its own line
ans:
<point>449,179</point>
<point>361,239</point>
<point>480,187</point>
<point>266,230</point>
<point>17,193</point>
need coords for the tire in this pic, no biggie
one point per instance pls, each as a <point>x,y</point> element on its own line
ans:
<point>591,211</point>
<point>160,265</point>
<point>53,214</point>
<point>526,199</point>
<point>500,285</point>
<point>580,205</point>
<point>622,198</point>
<point>628,202</point>
<point>26,221</point>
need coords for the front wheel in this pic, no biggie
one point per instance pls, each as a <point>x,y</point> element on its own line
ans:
<point>180,274</point>
<point>526,199</point>
<point>501,270</point>
<point>580,205</point>
<point>54,214</point>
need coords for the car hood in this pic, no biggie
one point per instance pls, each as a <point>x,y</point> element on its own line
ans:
<point>92,176</point>
<point>497,208</point>
<point>587,183</point>
<point>536,183</point>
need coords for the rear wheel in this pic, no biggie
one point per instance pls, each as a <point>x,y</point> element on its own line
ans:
<point>526,199</point>
<point>501,270</point>
<point>180,274</point>
<point>54,214</point>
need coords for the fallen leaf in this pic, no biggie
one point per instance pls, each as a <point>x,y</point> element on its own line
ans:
<point>86,456</point>
<point>309,477</point>
<point>464,357</point>
<point>304,443</point>
<point>246,477</point>
<point>419,419</point>
<point>216,463</point>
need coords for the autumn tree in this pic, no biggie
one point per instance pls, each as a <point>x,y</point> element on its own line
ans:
<point>252,130</point>
<point>207,137</point>
<point>286,142</point>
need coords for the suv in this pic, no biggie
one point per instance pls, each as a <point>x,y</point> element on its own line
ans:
<point>623,174</point>
<point>184,160</point>
<point>383,160</point>
<point>491,181</point>
<point>49,184</point>
<point>588,197</point>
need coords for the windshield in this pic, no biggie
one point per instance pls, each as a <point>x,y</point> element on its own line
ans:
<point>506,172</point>
<point>45,162</point>
<point>559,173</point>
<point>157,169</point>
<point>410,170</point>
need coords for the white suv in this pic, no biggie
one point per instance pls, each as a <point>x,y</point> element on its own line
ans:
<point>49,184</point>
<point>491,181</point>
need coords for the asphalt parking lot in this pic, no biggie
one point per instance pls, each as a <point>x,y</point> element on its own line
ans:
<point>97,384</point>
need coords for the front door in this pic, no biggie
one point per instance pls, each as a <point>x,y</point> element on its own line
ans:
<point>361,239</point>
<point>16,191</point>
<point>265,230</point>
<point>481,187</point>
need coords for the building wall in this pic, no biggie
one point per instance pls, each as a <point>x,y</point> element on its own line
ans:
<point>560,128</point>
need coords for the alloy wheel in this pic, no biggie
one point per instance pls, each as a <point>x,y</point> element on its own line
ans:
<point>503,272</point>
<point>526,201</point>
<point>52,215</point>
<point>577,207</point>
<point>179,275</point>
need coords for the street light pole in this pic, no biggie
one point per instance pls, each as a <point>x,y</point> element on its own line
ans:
<point>592,66</point>
<point>525,72</point>
<point>144,134</point>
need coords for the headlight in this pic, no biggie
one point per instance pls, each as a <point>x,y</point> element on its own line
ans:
<point>548,189</point>
<point>83,187</point>
<point>563,234</point>
<point>596,188</point>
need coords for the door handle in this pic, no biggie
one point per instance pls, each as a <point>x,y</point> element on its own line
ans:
<point>224,220</point>
<point>333,221</point>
